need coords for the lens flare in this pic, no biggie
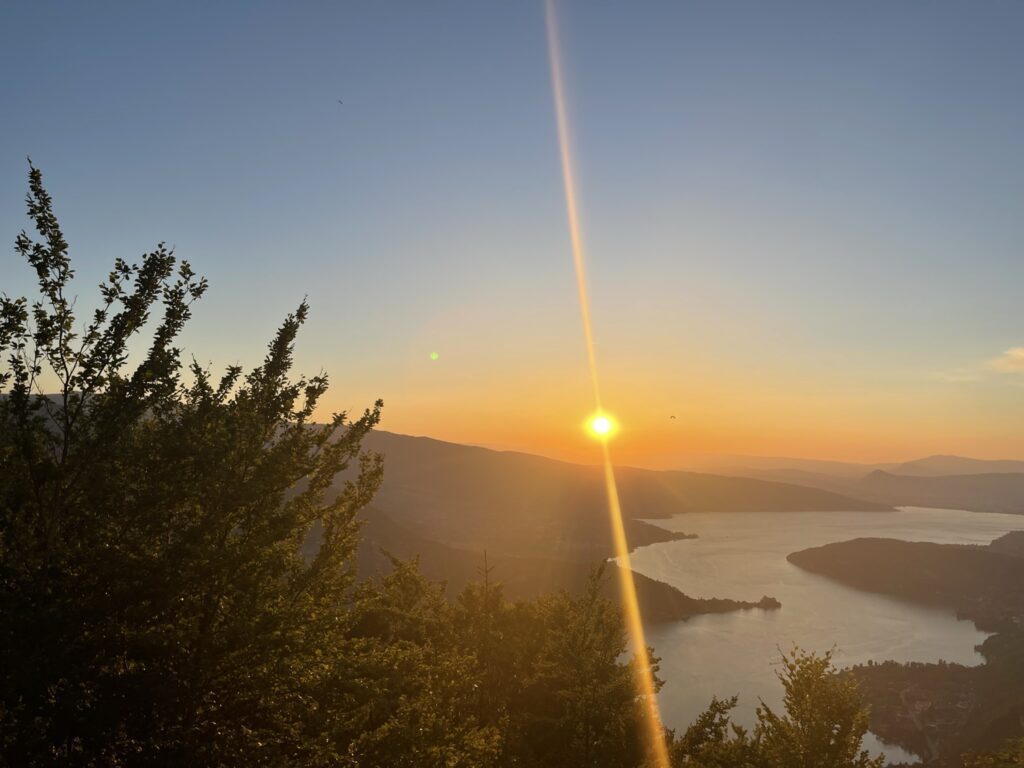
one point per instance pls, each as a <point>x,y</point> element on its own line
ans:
<point>601,425</point>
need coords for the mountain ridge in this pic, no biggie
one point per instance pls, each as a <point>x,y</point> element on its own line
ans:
<point>518,504</point>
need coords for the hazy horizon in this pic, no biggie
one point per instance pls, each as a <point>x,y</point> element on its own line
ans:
<point>712,461</point>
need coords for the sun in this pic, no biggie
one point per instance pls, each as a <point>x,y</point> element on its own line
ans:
<point>601,426</point>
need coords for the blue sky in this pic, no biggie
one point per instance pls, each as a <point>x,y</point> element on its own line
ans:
<point>803,220</point>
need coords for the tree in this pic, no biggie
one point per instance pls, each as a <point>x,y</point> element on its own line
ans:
<point>1010,756</point>
<point>825,718</point>
<point>823,726</point>
<point>412,685</point>
<point>157,608</point>
<point>582,703</point>
<point>713,741</point>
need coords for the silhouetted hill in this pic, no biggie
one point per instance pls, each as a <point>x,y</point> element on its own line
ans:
<point>956,465</point>
<point>522,577</point>
<point>789,468</point>
<point>993,492</point>
<point>544,523</point>
<point>981,583</point>
<point>941,710</point>
<point>753,466</point>
<point>520,505</point>
<point>1011,543</point>
<point>833,483</point>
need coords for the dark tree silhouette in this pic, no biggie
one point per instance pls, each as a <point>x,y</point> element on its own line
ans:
<point>156,605</point>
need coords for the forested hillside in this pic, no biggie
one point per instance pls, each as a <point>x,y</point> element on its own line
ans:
<point>942,710</point>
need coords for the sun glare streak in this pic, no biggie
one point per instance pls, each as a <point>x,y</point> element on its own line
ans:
<point>600,424</point>
<point>570,191</point>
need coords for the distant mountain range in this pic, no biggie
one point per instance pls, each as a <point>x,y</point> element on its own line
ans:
<point>929,466</point>
<point>521,505</point>
<point>544,523</point>
<point>957,465</point>
<point>997,491</point>
<point>993,492</point>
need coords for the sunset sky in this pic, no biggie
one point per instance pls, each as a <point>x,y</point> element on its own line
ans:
<point>803,223</point>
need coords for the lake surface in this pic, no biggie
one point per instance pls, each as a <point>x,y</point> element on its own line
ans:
<point>743,556</point>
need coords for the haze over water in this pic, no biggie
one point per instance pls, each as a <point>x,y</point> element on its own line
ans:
<point>743,556</point>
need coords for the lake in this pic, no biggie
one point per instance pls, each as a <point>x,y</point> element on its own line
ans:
<point>743,556</point>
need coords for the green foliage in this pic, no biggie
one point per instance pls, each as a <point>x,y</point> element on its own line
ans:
<point>713,741</point>
<point>156,605</point>
<point>483,682</point>
<point>583,709</point>
<point>1010,756</point>
<point>412,686</point>
<point>823,725</point>
<point>825,718</point>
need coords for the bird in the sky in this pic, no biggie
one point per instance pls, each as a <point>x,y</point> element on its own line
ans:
<point>672,417</point>
<point>340,101</point>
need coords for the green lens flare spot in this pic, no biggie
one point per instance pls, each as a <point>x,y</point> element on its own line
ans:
<point>434,356</point>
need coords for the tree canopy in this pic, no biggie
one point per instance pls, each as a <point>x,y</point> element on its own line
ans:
<point>151,576</point>
<point>1010,756</point>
